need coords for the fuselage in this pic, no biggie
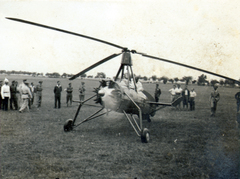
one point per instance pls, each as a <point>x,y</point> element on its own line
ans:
<point>118,97</point>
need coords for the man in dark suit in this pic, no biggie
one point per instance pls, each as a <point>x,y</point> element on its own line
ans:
<point>14,99</point>
<point>57,91</point>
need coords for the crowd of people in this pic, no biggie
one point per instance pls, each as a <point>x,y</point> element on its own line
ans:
<point>22,96</point>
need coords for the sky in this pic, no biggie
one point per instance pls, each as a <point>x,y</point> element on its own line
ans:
<point>200,33</point>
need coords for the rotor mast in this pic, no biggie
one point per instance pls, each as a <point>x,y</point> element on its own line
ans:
<point>126,63</point>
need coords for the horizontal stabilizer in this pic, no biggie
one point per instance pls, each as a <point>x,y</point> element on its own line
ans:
<point>177,101</point>
<point>159,103</point>
<point>174,103</point>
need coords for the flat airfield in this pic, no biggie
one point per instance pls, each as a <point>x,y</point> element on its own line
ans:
<point>183,144</point>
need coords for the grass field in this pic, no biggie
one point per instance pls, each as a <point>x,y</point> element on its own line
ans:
<point>183,144</point>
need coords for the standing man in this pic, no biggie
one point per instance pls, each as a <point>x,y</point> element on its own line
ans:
<point>192,96</point>
<point>185,95</point>
<point>237,97</point>
<point>32,88</point>
<point>57,91</point>
<point>214,98</point>
<point>1,100</point>
<point>69,91</point>
<point>14,98</point>
<point>178,92</point>
<point>5,93</point>
<point>39,93</point>
<point>26,94</point>
<point>172,91</point>
<point>157,93</point>
<point>18,94</point>
<point>82,92</point>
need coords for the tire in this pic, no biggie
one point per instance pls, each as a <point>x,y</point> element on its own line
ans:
<point>145,136</point>
<point>68,125</point>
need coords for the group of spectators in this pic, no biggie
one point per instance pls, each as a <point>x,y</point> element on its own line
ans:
<point>20,96</point>
<point>188,96</point>
<point>69,96</point>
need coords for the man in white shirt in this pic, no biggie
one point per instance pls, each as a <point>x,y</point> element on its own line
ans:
<point>178,92</point>
<point>5,93</point>
<point>172,91</point>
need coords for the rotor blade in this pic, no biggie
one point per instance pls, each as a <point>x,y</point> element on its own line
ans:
<point>195,68</point>
<point>65,31</point>
<point>95,65</point>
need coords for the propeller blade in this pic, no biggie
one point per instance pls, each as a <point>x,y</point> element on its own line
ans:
<point>65,31</point>
<point>95,65</point>
<point>188,66</point>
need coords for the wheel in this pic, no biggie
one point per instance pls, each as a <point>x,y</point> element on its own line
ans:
<point>68,125</point>
<point>145,136</point>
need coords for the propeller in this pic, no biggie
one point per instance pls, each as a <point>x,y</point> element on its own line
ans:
<point>65,31</point>
<point>95,65</point>
<point>124,49</point>
<point>188,66</point>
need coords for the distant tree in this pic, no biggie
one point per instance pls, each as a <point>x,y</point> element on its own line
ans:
<point>229,82</point>
<point>202,79</point>
<point>100,75</point>
<point>64,75</point>
<point>176,79</point>
<point>187,79</point>
<point>171,80</point>
<point>221,82</point>
<point>55,75</point>
<point>164,79</point>
<point>154,77</point>
<point>194,81</point>
<point>145,78</point>
<point>2,71</point>
<point>213,82</point>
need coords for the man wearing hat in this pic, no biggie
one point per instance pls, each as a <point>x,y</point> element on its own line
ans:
<point>69,91</point>
<point>26,94</point>
<point>5,93</point>
<point>39,93</point>
<point>82,92</point>
<point>214,98</point>
<point>14,99</point>
<point>57,91</point>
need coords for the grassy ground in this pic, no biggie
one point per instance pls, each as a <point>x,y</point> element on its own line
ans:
<point>184,144</point>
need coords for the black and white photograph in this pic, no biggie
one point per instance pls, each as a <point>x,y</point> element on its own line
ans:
<point>138,89</point>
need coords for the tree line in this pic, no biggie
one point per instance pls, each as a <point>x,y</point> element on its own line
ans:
<point>202,79</point>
